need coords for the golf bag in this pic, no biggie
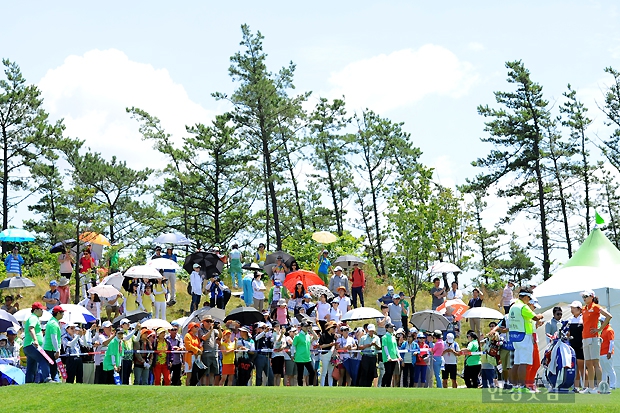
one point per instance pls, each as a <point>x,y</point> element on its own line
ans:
<point>559,363</point>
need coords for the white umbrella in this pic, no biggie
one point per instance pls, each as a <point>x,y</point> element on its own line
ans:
<point>115,280</point>
<point>429,320</point>
<point>172,238</point>
<point>362,313</point>
<point>482,312</point>
<point>442,267</point>
<point>155,323</point>
<point>103,290</point>
<point>347,261</point>
<point>143,271</point>
<point>179,321</point>
<point>163,264</point>
<point>76,314</point>
<point>22,315</point>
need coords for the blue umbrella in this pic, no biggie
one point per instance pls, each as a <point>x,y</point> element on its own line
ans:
<point>16,235</point>
<point>352,366</point>
<point>7,320</point>
<point>11,375</point>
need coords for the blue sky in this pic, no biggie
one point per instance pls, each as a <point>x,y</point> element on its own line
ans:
<point>428,65</point>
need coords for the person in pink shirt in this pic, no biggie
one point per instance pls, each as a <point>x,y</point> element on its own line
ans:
<point>282,313</point>
<point>438,349</point>
<point>63,289</point>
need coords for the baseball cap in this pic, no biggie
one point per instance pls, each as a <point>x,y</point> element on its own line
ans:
<point>11,330</point>
<point>57,309</point>
<point>244,328</point>
<point>278,283</point>
<point>396,297</point>
<point>106,324</point>
<point>389,325</point>
<point>338,268</point>
<point>450,338</point>
<point>196,265</point>
<point>158,248</point>
<point>124,321</point>
<point>325,252</point>
<point>336,300</point>
<point>588,293</point>
<point>390,288</point>
<point>37,306</point>
<point>421,335</point>
<point>306,295</point>
<point>281,301</point>
<point>534,302</point>
<point>371,327</point>
<point>54,283</point>
<point>3,337</point>
<point>576,304</point>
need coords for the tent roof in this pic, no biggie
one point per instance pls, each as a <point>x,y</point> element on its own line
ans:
<point>596,251</point>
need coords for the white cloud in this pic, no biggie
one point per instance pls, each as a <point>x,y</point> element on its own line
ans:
<point>403,77</point>
<point>475,46</point>
<point>92,91</point>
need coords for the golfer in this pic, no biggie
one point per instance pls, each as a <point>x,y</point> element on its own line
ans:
<point>591,339</point>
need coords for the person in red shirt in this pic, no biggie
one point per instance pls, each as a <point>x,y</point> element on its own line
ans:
<point>607,352</point>
<point>358,284</point>
<point>591,340</point>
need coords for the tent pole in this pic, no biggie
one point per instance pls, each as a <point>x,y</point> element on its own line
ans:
<point>608,301</point>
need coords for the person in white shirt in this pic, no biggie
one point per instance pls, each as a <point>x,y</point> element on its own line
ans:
<point>507,296</point>
<point>344,302</point>
<point>345,342</point>
<point>454,292</point>
<point>258,287</point>
<point>195,280</point>
<point>334,313</point>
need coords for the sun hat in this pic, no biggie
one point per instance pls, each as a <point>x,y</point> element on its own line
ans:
<point>191,325</point>
<point>161,330</point>
<point>330,324</point>
<point>576,304</point>
<point>342,288</point>
<point>63,281</point>
<point>244,328</point>
<point>389,325</point>
<point>281,301</point>
<point>226,332</point>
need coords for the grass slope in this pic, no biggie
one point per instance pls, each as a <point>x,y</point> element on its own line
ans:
<point>93,398</point>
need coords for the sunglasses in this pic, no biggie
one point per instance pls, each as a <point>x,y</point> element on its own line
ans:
<point>558,313</point>
<point>208,321</point>
<point>585,296</point>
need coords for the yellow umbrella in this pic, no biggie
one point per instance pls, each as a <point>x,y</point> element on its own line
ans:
<point>324,237</point>
<point>94,238</point>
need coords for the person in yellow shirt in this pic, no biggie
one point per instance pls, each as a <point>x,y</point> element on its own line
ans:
<point>228,347</point>
<point>148,299</point>
<point>131,298</point>
<point>194,350</point>
<point>159,293</point>
<point>163,358</point>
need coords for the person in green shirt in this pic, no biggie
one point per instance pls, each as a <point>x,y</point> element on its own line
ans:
<point>390,355</point>
<point>472,362</point>
<point>33,339</point>
<point>53,339</point>
<point>404,314</point>
<point>112,360</point>
<point>302,342</point>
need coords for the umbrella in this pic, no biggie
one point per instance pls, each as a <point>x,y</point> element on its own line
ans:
<point>172,238</point>
<point>308,278</point>
<point>305,317</point>
<point>217,314</point>
<point>251,267</point>
<point>62,245</point>
<point>317,290</point>
<point>245,315</point>
<point>76,314</point>
<point>362,313</point>
<point>103,290</point>
<point>442,267</point>
<point>352,366</point>
<point>16,282</point>
<point>429,320</point>
<point>133,317</point>
<point>155,323</point>
<point>179,321</point>
<point>163,264</point>
<point>324,237</point>
<point>94,238</point>
<point>143,271</point>
<point>454,308</point>
<point>115,280</point>
<point>16,235</point>
<point>347,261</point>
<point>13,375</point>
<point>482,312</point>
<point>22,315</point>
<point>272,258</point>
<point>210,263</point>
<point>7,320</point>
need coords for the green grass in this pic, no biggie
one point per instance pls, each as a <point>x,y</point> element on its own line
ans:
<point>93,398</point>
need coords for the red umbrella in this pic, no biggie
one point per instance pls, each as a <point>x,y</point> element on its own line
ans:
<point>307,277</point>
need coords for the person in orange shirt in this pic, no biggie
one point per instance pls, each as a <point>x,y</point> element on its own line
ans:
<point>194,349</point>
<point>591,340</point>
<point>607,351</point>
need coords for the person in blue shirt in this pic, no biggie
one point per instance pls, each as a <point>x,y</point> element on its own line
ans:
<point>324,264</point>
<point>171,276</point>
<point>13,264</point>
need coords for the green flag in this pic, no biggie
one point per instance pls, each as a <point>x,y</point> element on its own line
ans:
<point>599,219</point>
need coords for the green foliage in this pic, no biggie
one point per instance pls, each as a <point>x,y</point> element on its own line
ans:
<point>611,108</point>
<point>306,250</point>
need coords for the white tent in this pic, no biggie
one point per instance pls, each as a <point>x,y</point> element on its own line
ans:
<point>594,266</point>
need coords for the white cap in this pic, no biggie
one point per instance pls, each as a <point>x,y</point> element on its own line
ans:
<point>450,338</point>
<point>576,304</point>
<point>336,300</point>
<point>338,268</point>
<point>390,288</point>
<point>371,327</point>
<point>124,321</point>
<point>3,337</point>
<point>106,324</point>
<point>588,293</point>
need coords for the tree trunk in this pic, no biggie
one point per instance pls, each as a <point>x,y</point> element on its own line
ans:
<point>300,212</point>
<point>558,177</point>
<point>586,179</point>
<point>332,190</point>
<point>375,210</point>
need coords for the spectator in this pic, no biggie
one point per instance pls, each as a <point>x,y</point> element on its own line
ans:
<point>227,347</point>
<point>282,312</point>
<point>71,342</point>
<point>472,361</point>
<point>261,255</point>
<point>176,344</point>
<point>591,340</point>
<point>244,361</point>
<point>358,284</point>
<point>322,310</point>
<point>63,289</point>
<point>159,294</point>
<point>147,299</point>
<point>475,301</point>
<point>87,264</point>
<point>507,296</point>
<point>298,295</point>
<point>210,336</point>
<point>99,341</point>
<point>142,359</point>
<point>112,358</point>
<point>263,343</point>
<point>258,288</point>
<point>420,368</point>
<point>327,349</point>
<point>13,346</point>
<point>395,310</point>
<point>521,331</point>
<point>279,270</point>
<point>248,294</point>
<point>411,349</point>
<point>127,348</point>
<point>171,277</point>
<point>324,264</point>
<point>194,349</point>
<point>437,294</point>
<point>553,326</point>
<point>52,296</point>
<point>450,353</point>
<point>388,297</point>
<point>368,344</point>
<point>66,261</point>
<point>301,344</point>
<point>454,292</point>
<point>334,313</point>
<point>575,332</point>
<point>162,358</point>
<point>606,355</point>
<point>437,351</point>
<point>344,302</point>
<point>234,260</point>
<point>488,362</point>
<point>390,355</point>
<point>338,280</point>
<point>52,341</point>
<point>112,306</point>
<point>157,253</point>
<point>279,349</point>
<point>13,264</point>
<point>277,292</point>
<point>196,289</point>
<point>346,343</point>
<point>33,338</point>
<point>10,305</point>
<point>405,313</point>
